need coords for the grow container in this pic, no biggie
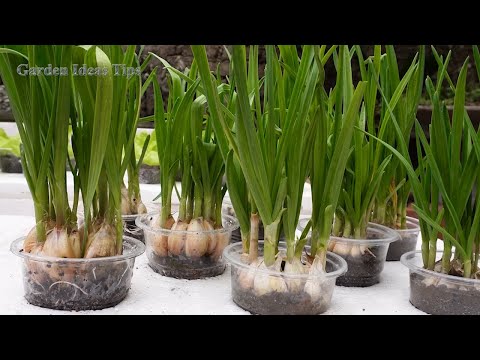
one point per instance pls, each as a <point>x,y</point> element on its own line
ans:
<point>78,283</point>
<point>269,292</point>
<point>407,241</point>
<point>440,294</point>
<point>186,254</point>
<point>365,257</point>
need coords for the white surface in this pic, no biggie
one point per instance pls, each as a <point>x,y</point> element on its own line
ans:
<point>152,293</point>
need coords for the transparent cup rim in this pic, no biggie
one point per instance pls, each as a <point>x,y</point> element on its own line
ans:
<point>138,248</point>
<point>413,226</point>
<point>232,249</point>
<point>388,236</point>
<point>140,221</point>
<point>408,259</point>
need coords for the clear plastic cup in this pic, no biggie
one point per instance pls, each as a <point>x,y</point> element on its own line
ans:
<point>365,257</point>
<point>440,294</point>
<point>78,284</point>
<point>268,292</point>
<point>407,242</point>
<point>186,254</point>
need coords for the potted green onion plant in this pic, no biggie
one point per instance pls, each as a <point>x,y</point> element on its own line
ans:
<point>67,265</point>
<point>188,243</point>
<point>361,242</point>
<point>390,204</point>
<point>271,148</point>
<point>444,185</point>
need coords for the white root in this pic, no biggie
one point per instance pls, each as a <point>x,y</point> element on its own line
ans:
<point>196,243</point>
<point>176,239</point>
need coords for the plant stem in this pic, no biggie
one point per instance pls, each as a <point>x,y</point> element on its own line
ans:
<point>269,244</point>
<point>119,230</point>
<point>207,206</point>
<point>338,225</point>
<point>103,194</point>
<point>467,268</point>
<point>166,211</point>
<point>314,240</point>
<point>246,241</point>
<point>182,213</point>
<point>447,254</point>
<point>190,204</point>
<point>253,243</point>
<point>197,208</point>
<point>218,209</point>
<point>380,211</point>
<point>402,215</point>
<point>431,249</point>
<point>347,228</point>
<point>40,217</point>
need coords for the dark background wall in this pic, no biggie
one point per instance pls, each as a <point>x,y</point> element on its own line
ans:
<point>180,56</point>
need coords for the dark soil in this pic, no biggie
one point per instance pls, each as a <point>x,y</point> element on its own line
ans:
<point>183,267</point>
<point>77,287</point>
<point>275,303</point>
<point>132,230</point>
<point>441,300</point>
<point>149,174</point>
<point>406,243</point>
<point>10,163</point>
<point>364,270</point>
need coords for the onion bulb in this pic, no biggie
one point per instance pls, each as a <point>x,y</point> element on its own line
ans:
<point>223,238</point>
<point>125,206</point>
<point>60,244</point>
<point>341,249</point>
<point>141,208</point>
<point>159,242</point>
<point>356,251</point>
<point>176,239</point>
<point>265,283</point>
<point>31,240</point>
<point>101,243</point>
<point>196,243</point>
<point>212,237</point>
<point>247,276</point>
<point>331,245</point>
<point>293,268</point>
<point>313,286</point>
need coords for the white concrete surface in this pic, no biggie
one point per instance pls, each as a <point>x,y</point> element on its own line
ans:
<point>152,293</point>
